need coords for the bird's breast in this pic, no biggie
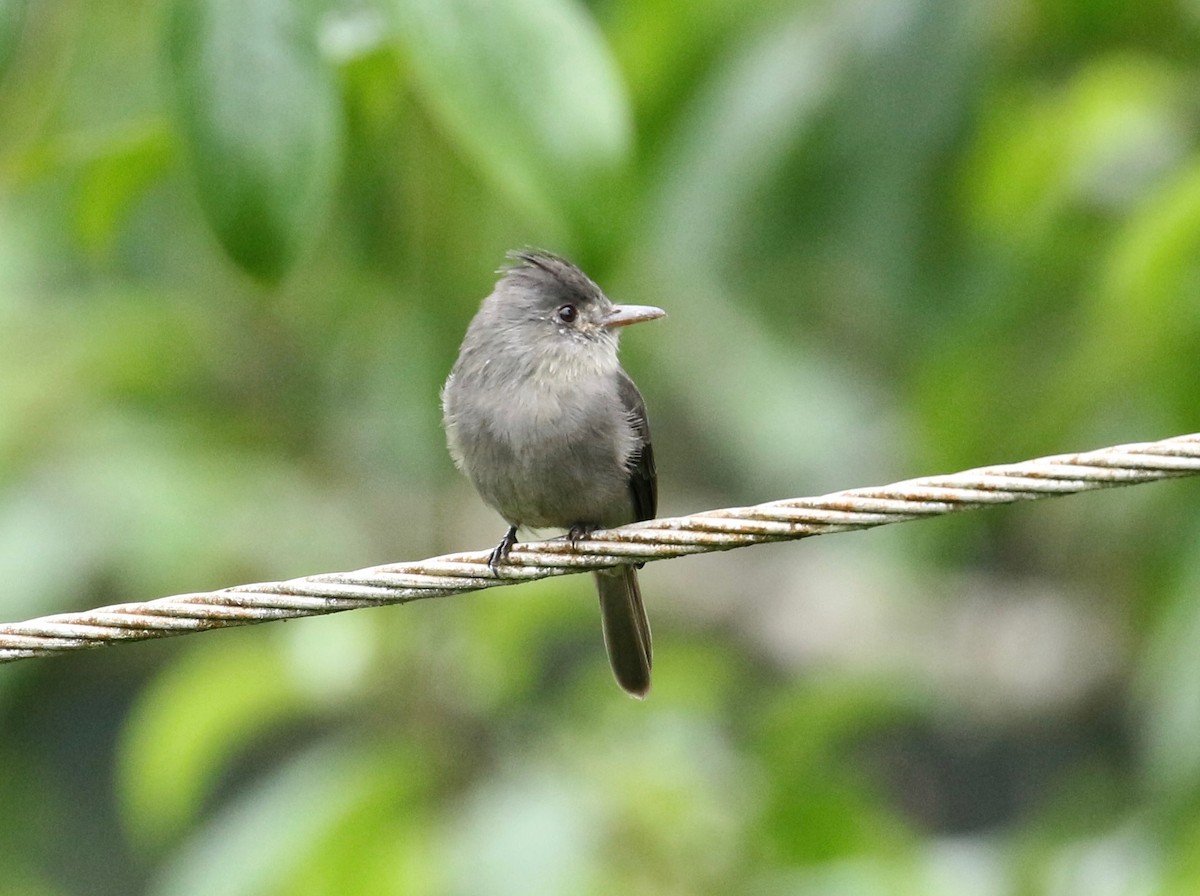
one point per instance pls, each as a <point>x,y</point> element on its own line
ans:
<point>548,455</point>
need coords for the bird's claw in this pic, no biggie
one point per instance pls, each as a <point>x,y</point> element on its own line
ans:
<point>579,531</point>
<point>499,553</point>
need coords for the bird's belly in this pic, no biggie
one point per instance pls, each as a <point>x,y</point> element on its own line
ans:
<point>558,473</point>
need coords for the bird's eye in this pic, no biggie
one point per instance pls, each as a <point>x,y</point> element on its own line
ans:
<point>567,314</point>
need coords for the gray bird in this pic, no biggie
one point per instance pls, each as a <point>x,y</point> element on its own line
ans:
<point>552,432</point>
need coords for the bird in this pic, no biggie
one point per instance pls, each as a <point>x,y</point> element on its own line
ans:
<point>552,432</point>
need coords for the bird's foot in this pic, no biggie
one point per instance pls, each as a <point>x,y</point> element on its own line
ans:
<point>582,530</point>
<point>500,552</point>
<point>579,531</point>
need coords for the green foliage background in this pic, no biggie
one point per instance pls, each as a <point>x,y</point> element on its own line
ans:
<point>239,243</point>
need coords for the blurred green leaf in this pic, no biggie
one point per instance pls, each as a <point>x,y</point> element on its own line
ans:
<point>382,840</point>
<point>659,62</point>
<point>1144,327</point>
<point>1099,141</point>
<point>258,842</point>
<point>190,722</point>
<point>820,807</point>
<point>114,180</point>
<point>1154,261</point>
<point>527,87</point>
<point>260,114</point>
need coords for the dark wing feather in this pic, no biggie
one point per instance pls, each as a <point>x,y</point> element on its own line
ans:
<point>643,480</point>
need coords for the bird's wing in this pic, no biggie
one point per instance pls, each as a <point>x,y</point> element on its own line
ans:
<point>643,480</point>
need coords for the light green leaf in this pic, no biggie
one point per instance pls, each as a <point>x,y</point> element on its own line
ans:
<point>1100,141</point>
<point>1141,329</point>
<point>187,725</point>
<point>270,831</point>
<point>528,88</point>
<point>121,171</point>
<point>259,112</point>
<point>1151,268</point>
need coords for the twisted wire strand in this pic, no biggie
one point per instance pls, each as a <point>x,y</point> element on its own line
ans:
<point>714,530</point>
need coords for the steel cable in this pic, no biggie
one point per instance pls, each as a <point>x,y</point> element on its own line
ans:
<point>713,530</point>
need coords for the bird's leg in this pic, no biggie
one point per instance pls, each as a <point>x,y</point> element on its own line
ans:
<point>578,531</point>
<point>500,552</point>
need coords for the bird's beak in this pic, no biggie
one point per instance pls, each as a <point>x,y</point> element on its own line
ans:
<point>624,315</point>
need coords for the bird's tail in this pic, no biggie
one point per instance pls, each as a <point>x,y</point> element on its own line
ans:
<point>626,628</point>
